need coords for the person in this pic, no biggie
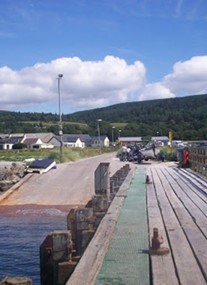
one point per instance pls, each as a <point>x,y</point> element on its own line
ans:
<point>186,156</point>
<point>139,157</point>
<point>153,149</point>
<point>124,153</point>
<point>162,157</point>
<point>131,154</point>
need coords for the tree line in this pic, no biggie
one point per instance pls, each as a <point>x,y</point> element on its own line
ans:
<point>186,117</point>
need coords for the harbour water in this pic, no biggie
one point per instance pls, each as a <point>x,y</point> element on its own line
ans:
<point>22,230</point>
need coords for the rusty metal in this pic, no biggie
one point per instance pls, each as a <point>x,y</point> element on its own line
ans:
<point>157,240</point>
<point>65,269</point>
<point>81,224</point>
<point>71,224</point>
<point>147,181</point>
<point>57,247</point>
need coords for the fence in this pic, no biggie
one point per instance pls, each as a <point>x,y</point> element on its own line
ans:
<point>198,159</point>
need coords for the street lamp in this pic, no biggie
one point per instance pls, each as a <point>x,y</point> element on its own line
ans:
<point>60,118</point>
<point>119,133</point>
<point>112,135</point>
<point>99,135</point>
<point>157,134</point>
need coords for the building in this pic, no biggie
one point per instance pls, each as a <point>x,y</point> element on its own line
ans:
<point>67,140</point>
<point>36,143</point>
<point>37,140</point>
<point>72,141</point>
<point>49,140</point>
<point>130,140</point>
<point>102,141</point>
<point>163,140</point>
<point>8,141</point>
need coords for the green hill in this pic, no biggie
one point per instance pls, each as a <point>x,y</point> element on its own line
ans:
<point>185,116</point>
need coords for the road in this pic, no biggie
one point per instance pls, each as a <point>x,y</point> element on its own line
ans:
<point>70,184</point>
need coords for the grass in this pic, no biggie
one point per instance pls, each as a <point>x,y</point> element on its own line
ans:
<point>119,126</point>
<point>81,125</point>
<point>69,154</point>
<point>169,153</point>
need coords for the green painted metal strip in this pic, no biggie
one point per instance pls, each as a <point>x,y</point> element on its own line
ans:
<point>127,261</point>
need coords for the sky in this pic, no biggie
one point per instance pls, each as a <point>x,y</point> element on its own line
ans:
<point>108,51</point>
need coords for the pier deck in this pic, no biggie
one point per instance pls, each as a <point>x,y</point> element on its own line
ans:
<point>175,202</point>
<point>177,206</point>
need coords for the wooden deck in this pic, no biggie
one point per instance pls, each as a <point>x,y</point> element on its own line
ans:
<point>175,202</point>
<point>177,206</point>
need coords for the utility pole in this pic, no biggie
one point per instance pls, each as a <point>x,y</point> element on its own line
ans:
<point>60,118</point>
<point>99,133</point>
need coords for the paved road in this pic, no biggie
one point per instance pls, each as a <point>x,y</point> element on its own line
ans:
<point>69,184</point>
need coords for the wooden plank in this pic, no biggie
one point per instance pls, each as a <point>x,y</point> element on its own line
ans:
<point>196,215</point>
<point>163,269</point>
<point>196,181</point>
<point>192,220</point>
<point>187,268</point>
<point>199,177</point>
<point>191,192</point>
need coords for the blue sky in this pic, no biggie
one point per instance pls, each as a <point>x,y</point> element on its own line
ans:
<point>109,51</point>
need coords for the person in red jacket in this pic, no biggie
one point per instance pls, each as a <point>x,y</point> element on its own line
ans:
<point>186,156</point>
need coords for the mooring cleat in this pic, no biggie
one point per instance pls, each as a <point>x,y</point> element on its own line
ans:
<point>147,181</point>
<point>156,242</point>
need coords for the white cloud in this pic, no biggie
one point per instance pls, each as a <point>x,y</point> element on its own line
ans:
<point>93,84</point>
<point>85,84</point>
<point>155,91</point>
<point>188,77</point>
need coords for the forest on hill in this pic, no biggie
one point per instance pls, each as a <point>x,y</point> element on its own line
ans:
<point>186,117</point>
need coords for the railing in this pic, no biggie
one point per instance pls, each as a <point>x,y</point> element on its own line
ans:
<point>198,159</point>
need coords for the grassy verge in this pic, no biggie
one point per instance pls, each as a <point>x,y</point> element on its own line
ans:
<point>69,154</point>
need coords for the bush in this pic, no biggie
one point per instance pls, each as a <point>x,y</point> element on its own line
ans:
<point>169,153</point>
<point>19,146</point>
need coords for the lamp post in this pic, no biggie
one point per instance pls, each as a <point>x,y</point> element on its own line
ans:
<point>99,134</point>
<point>60,118</point>
<point>112,135</point>
<point>119,134</point>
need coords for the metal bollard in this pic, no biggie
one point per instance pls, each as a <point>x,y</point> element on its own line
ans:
<point>157,240</point>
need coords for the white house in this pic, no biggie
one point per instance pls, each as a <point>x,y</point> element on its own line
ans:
<point>67,140</point>
<point>73,142</point>
<point>8,141</point>
<point>34,143</point>
<point>37,140</point>
<point>45,137</point>
<point>5,144</point>
<point>102,141</point>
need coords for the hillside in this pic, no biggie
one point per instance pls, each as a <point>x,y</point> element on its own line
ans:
<point>185,116</point>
